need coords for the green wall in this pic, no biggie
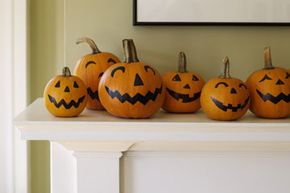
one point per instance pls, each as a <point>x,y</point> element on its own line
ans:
<point>110,21</point>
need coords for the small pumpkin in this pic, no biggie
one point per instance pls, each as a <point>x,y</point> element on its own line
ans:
<point>65,95</point>
<point>90,69</point>
<point>131,89</point>
<point>225,98</point>
<point>270,90</point>
<point>183,89</point>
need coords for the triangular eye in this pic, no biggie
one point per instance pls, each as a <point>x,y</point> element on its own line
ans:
<point>76,84</point>
<point>266,77</point>
<point>57,85</point>
<point>194,78</point>
<point>287,75</point>
<point>176,78</point>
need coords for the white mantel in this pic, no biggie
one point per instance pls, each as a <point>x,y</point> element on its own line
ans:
<point>170,153</point>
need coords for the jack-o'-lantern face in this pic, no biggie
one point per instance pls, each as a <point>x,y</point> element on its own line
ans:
<point>225,98</point>
<point>270,91</point>
<point>65,95</point>
<point>131,90</point>
<point>90,68</point>
<point>183,89</point>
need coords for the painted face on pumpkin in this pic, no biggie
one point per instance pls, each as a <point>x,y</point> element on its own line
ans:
<point>90,69</point>
<point>65,96</point>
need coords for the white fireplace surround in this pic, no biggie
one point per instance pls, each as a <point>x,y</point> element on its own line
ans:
<point>169,153</point>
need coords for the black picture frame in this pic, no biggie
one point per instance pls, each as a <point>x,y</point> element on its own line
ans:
<point>138,23</point>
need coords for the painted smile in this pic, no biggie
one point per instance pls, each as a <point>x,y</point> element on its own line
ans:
<point>92,94</point>
<point>72,103</point>
<point>185,97</point>
<point>223,107</point>
<point>136,98</point>
<point>274,99</point>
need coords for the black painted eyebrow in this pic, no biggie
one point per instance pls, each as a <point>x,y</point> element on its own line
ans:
<point>242,85</point>
<point>111,60</point>
<point>194,78</point>
<point>122,68</point>
<point>266,77</point>
<point>223,83</point>
<point>148,67</point>
<point>90,62</point>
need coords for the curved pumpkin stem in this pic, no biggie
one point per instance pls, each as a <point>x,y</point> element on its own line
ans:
<point>91,43</point>
<point>226,72</point>
<point>130,51</point>
<point>268,58</point>
<point>182,62</point>
<point>66,72</point>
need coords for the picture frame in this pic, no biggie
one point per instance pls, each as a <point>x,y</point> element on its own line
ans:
<point>211,12</point>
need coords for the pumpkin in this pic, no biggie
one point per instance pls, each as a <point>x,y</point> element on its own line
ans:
<point>225,98</point>
<point>270,90</point>
<point>183,89</point>
<point>131,89</point>
<point>65,95</point>
<point>90,68</point>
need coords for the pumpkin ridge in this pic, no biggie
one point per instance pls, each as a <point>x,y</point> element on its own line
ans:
<point>66,105</point>
<point>136,98</point>
<point>272,98</point>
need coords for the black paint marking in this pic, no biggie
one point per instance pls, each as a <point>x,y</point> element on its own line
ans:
<point>185,97</point>
<point>148,67</point>
<point>221,83</point>
<point>143,99</point>
<point>122,68</point>
<point>223,107</point>
<point>72,103</point>
<point>194,78</point>
<point>176,78</point>
<point>287,75</point>
<point>186,86</point>
<point>279,82</point>
<point>101,74</point>
<point>90,62</point>
<point>76,84</point>
<point>92,94</point>
<point>67,89</point>
<point>233,91</point>
<point>111,60</point>
<point>57,85</point>
<point>138,81</point>
<point>266,77</point>
<point>274,99</point>
<point>243,85</point>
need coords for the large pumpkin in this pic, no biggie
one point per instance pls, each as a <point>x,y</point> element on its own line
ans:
<point>270,90</point>
<point>183,89</point>
<point>225,98</point>
<point>65,95</point>
<point>90,68</point>
<point>131,89</point>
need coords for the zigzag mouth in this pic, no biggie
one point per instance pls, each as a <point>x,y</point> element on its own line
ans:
<point>143,99</point>
<point>223,107</point>
<point>92,94</point>
<point>72,103</point>
<point>185,97</point>
<point>274,99</point>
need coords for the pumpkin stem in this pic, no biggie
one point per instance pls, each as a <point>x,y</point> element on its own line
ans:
<point>226,72</point>
<point>91,43</point>
<point>130,51</point>
<point>66,71</point>
<point>268,58</point>
<point>182,62</point>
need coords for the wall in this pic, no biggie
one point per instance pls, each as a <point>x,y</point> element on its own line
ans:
<point>110,21</point>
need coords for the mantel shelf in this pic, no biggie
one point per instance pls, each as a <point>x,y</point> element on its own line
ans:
<point>36,123</point>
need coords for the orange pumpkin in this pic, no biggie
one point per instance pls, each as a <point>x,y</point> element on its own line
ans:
<point>131,89</point>
<point>183,89</point>
<point>65,95</point>
<point>90,69</point>
<point>225,98</point>
<point>270,90</point>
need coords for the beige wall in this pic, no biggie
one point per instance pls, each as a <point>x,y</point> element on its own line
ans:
<point>110,21</point>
